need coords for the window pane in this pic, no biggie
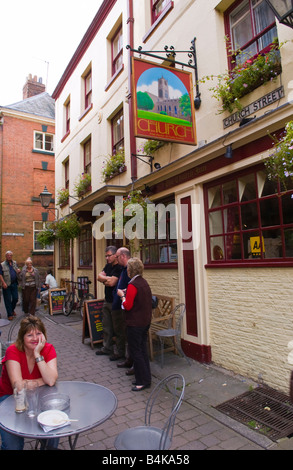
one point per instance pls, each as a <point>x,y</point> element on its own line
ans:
<point>241,25</point>
<point>269,212</point>
<point>287,205</point>
<point>289,243</point>
<point>215,197</point>
<point>230,192</point>
<point>117,44</point>
<point>231,219</point>
<point>216,223</point>
<point>272,244</point>
<point>217,248</point>
<point>247,189</point>
<point>38,141</point>
<point>49,143</point>
<point>249,216</point>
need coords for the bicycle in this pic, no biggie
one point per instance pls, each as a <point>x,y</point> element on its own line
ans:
<point>74,300</point>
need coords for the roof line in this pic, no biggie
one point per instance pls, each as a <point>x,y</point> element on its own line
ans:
<point>94,27</point>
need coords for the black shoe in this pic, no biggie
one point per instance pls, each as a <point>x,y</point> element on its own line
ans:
<point>101,352</point>
<point>139,388</point>
<point>130,371</point>
<point>115,357</point>
<point>126,364</point>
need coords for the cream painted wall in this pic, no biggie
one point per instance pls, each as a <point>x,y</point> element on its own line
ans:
<point>251,322</point>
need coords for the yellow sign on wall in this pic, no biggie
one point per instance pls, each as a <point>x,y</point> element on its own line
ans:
<point>255,247</point>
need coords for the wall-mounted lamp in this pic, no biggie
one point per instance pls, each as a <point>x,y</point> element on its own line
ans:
<point>229,151</point>
<point>149,162</point>
<point>283,10</point>
<point>46,198</point>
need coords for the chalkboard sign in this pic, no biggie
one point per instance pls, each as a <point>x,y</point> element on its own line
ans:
<point>92,321</point>
<point>56,299</point>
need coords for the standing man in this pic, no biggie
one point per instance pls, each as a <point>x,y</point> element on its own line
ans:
<point>8,277</point>
<point>109,277</point>
<point>123,255</point>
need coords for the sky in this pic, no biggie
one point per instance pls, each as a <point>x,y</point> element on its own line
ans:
<point>39,38</point>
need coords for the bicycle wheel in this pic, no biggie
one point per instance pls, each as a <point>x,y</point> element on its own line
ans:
<point>68,304</point>
<point>81,302</point>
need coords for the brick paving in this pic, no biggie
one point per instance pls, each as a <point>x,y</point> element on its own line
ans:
<point>198,426</point>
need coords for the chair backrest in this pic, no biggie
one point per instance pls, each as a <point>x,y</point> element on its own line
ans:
<point>166,398</point>
<point>180,311</point>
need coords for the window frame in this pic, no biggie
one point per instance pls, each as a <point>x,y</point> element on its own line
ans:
<point>116,57</point>
<point>35,232</point>
<point>87,157</point>
<point>242,232</point>
<point>254,39</point>
<point>88,90</point>
<point>62,256</point>
<point>43,149</point>
<point>88,241</point>
<point>119,143</point>
<point>154,4</point>
<point>157,244</point>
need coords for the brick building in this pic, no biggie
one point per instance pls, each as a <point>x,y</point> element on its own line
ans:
<point>27,131</point>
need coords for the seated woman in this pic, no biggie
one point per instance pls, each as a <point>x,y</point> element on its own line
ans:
<point>29,358</point>
<point>138,313</point>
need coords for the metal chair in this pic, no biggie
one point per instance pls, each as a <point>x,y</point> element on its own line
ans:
<point>166,398</point>
<point>175,334</point>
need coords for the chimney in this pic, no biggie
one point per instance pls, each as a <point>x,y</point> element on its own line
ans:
<point>33,87</point>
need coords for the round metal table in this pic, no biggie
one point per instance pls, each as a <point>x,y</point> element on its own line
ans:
<point>90,404</point>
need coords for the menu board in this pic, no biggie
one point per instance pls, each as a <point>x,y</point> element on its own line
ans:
<point>92,321</point>
<point>56,299</point>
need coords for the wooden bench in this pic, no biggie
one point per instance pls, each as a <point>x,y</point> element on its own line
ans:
<point>160,321</point>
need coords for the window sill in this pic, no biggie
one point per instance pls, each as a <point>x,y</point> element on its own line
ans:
<point>114,77</point>
<point>65,136</point>
<point>252,264</point>
<point>87,110</point>
<point>161,266</point>
<point>43,152</point>
<point>162,16</point>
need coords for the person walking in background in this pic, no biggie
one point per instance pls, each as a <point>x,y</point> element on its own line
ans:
<point>8,278</point>
<point>109,277</point>
<point>30,284</point>
<point>137,305</point>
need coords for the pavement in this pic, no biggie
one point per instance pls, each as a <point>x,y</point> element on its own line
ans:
<point>199,426</point>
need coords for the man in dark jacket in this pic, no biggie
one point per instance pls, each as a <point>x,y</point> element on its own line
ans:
<point>109,277</point>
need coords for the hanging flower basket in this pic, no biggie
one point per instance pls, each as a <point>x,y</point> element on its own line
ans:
<point>65,229</point>
<point>151,146</point>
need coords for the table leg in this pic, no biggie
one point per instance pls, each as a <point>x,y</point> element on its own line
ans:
<point>73,444</point>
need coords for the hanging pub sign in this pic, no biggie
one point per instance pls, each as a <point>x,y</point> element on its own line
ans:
<point>163,103</point>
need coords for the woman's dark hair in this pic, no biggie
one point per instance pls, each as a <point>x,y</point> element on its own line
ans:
<point>26,325</point>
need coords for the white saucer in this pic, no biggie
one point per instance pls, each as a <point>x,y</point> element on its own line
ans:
<point>53,418</point>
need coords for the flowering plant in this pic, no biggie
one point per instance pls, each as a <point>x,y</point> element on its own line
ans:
<point>279,164</point>
<point>83,184</point>
<point>114,165</point>
<point>62,196</point>
<point>245,78</point>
